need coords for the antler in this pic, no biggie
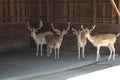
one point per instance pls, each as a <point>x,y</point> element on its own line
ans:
<point>82,27</point>
<point>67,27</point>
<point>93,27</point>
<point>40,25</point>
<point>75,31</point>
<point>56,30</point>
<point>28,26</point>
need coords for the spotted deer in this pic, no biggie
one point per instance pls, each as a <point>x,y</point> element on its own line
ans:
<point>81,41</point>
<point>40,37</point>
<point>102,40</point>
<point>54,42</point>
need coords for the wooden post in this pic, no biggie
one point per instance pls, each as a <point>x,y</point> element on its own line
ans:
<point>94,11</point>
<point>68,10</point>
<point>103,12</point>
<point>115,7</point>
<point>48,12</point>
<point>119,10</point>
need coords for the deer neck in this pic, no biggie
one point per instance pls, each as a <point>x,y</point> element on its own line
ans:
<point>60,39</point>
<point>79,38</point>
<point>34,35</point>
<point>90,38</point>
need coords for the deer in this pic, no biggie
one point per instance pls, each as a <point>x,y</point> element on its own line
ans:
<point>38,38</point>
<point>54,42</point>
<point>102,40</point>
<point>81,41</point>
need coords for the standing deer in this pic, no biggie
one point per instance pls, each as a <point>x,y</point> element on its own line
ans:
<point>40,37</point>
<point>102,40</point>
<point>81,41</point>
<point>54,42</point>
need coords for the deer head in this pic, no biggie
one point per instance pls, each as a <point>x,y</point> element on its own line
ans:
<point>75,32</point>
<point>61,33</point>
<point>88,31</point>
<point>34,30</point>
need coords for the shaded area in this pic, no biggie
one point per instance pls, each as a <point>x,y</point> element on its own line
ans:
<point>24,63</point>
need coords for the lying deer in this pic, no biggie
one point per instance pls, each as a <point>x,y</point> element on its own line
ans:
<point>54,42</point>
<point>40,37</point>
<point>81,41</point>
<point>102,40</point>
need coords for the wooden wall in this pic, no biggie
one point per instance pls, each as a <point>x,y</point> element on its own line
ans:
<point>13,36</point>
<point>79,11</point>
<point>15,13</point>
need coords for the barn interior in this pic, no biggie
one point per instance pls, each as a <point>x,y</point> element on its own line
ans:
<point>14,15</point>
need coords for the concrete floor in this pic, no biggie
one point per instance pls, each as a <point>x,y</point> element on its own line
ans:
<point>104,70</point>
<point>22,63</point>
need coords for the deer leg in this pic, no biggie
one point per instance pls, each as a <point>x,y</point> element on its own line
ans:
<point>113,49</point>
<point>110,52</point>
<point>41,48</point>
<point>37,49</point>
<point>48,51</point>
<point>58,53</point>
<point>55,53</point>
<point>98,54</point>
<point>83,55</point>
<point>114,54</point>
<point>78,53</point>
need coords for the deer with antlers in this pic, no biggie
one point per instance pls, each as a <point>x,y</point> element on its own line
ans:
<point>54,42</point>
<point>81,41</point>
<point>40,37</point>
<point>102,40</point>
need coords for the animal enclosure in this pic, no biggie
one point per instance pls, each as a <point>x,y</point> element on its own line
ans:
<point>15,13</point>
